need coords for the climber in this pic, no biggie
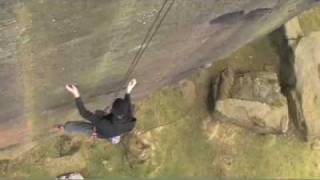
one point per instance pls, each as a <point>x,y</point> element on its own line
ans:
<point>108,125</point>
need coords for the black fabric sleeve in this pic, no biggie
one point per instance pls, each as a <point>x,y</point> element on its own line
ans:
<point>127,98</point>
<point>86,114</point>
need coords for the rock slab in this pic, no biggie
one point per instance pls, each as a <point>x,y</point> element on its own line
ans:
<point>307,69</point>
<point>255,102</point>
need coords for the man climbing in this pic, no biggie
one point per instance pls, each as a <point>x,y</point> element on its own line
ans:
<point>109,125</point>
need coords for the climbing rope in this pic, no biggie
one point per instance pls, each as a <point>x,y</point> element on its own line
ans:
<point>146,41</point>
<point>143,46</point>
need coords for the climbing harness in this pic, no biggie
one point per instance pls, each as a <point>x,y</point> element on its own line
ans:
<point>146,41</point>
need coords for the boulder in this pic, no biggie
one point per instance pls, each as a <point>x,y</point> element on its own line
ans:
<point>255,102</point>
<point>307,68</point>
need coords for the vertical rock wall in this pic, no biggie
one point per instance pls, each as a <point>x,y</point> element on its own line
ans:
<point>45,44</point>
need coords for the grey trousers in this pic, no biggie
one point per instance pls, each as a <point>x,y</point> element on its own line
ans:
<point>84,128</point>
<point>78,127</point>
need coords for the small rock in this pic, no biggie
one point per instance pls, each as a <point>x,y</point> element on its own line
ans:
<point>211,127</point>
<point>227,161</point>
<point>104,162</point>
<point>70,176</point>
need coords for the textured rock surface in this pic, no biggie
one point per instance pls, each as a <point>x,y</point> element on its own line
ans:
<point>307,63</point>
<point>302,68</point>
<point>309,21</point>
<point>254,102</point>
<point>293,32</point>
<point>45,44</point>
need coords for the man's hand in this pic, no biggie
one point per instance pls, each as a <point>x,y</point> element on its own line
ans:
<point>131,85</point>
<point>73,90</point>
<point>107,110</point>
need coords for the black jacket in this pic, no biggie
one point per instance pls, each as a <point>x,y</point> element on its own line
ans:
<point>108,126</point>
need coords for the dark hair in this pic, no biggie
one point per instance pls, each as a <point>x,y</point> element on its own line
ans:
<point>119,108</point>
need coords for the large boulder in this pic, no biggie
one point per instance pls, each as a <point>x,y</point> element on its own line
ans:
<point>307,69</point>
<point>254,101</point>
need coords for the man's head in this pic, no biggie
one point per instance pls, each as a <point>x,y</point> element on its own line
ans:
<point>119,108</point>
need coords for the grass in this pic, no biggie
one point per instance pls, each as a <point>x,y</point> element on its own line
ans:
<point>283,157</point>
<point>179,141</point>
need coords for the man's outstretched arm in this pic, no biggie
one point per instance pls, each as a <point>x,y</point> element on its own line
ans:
<point>127,97</point>
<point>86,114</point>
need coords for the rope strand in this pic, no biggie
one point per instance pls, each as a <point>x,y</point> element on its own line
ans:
<point>145,43</point>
